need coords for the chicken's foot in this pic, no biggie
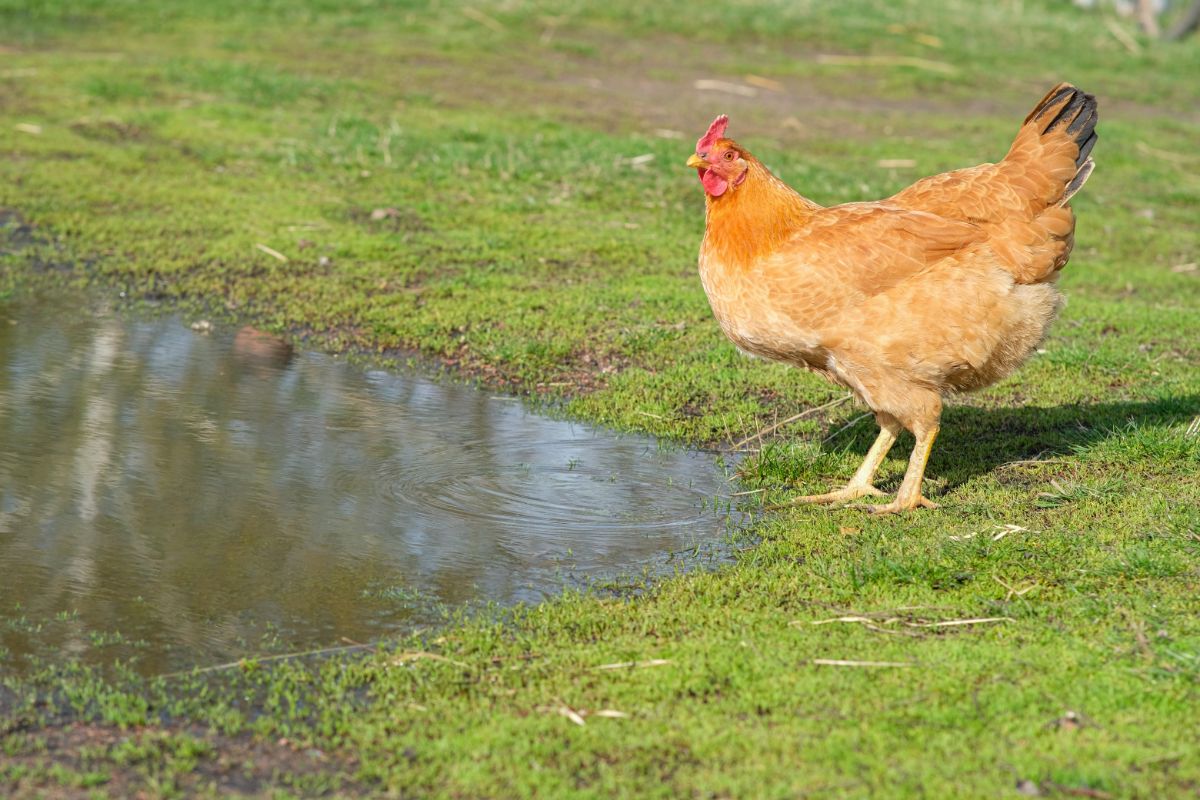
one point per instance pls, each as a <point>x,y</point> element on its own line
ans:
<point>860,485</point>
<point>909,495</point>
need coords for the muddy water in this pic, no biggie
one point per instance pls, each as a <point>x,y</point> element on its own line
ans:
<point>180,498</point>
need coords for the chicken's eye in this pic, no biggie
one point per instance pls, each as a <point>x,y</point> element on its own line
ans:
<point>730,155</point>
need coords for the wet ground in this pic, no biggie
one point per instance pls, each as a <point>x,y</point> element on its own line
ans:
<point>182,497</point>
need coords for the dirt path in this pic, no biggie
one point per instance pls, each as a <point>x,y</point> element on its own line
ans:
<point>221,766</point>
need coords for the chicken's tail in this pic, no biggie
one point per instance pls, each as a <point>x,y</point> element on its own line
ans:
<point>1048,163</point>
<point>1066,111</point>
<point>1056,142</point>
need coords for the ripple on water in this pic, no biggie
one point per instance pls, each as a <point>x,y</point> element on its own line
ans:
<point>212,496</point>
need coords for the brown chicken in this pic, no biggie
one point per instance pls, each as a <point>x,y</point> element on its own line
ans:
<point>945,287</point>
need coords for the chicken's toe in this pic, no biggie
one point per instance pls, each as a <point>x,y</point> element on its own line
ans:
<point>851,491</point>
<point>898,507</point>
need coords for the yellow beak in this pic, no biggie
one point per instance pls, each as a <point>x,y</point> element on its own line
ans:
<point>696,161</point>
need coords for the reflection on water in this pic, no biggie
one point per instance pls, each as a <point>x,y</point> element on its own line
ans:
<point>188,498</point>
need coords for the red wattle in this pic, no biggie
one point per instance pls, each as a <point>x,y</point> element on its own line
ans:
<point>714,184</point>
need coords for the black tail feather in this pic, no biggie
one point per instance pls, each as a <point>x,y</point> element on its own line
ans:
<point>1073,110</point>
<point>1085,150</point>
<point>1077,182</point>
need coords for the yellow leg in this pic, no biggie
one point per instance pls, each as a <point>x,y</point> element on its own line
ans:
<point>909,495</point>
<point>860,485</point>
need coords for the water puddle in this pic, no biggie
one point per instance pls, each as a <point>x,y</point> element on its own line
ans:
<point>183,499</point>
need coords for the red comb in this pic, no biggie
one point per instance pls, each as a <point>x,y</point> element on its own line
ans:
<point>715,131</point>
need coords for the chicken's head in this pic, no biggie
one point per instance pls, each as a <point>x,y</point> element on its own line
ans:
<point>718,161</point>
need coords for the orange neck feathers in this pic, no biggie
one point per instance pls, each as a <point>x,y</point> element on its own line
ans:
<point>754,218</point>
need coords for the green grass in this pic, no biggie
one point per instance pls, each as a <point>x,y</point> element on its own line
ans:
<point>152,149</point>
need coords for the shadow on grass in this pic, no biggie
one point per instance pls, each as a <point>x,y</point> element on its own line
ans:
<point>975,441</point>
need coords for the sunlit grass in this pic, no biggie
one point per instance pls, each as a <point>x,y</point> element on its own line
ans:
<point>453,180</point>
